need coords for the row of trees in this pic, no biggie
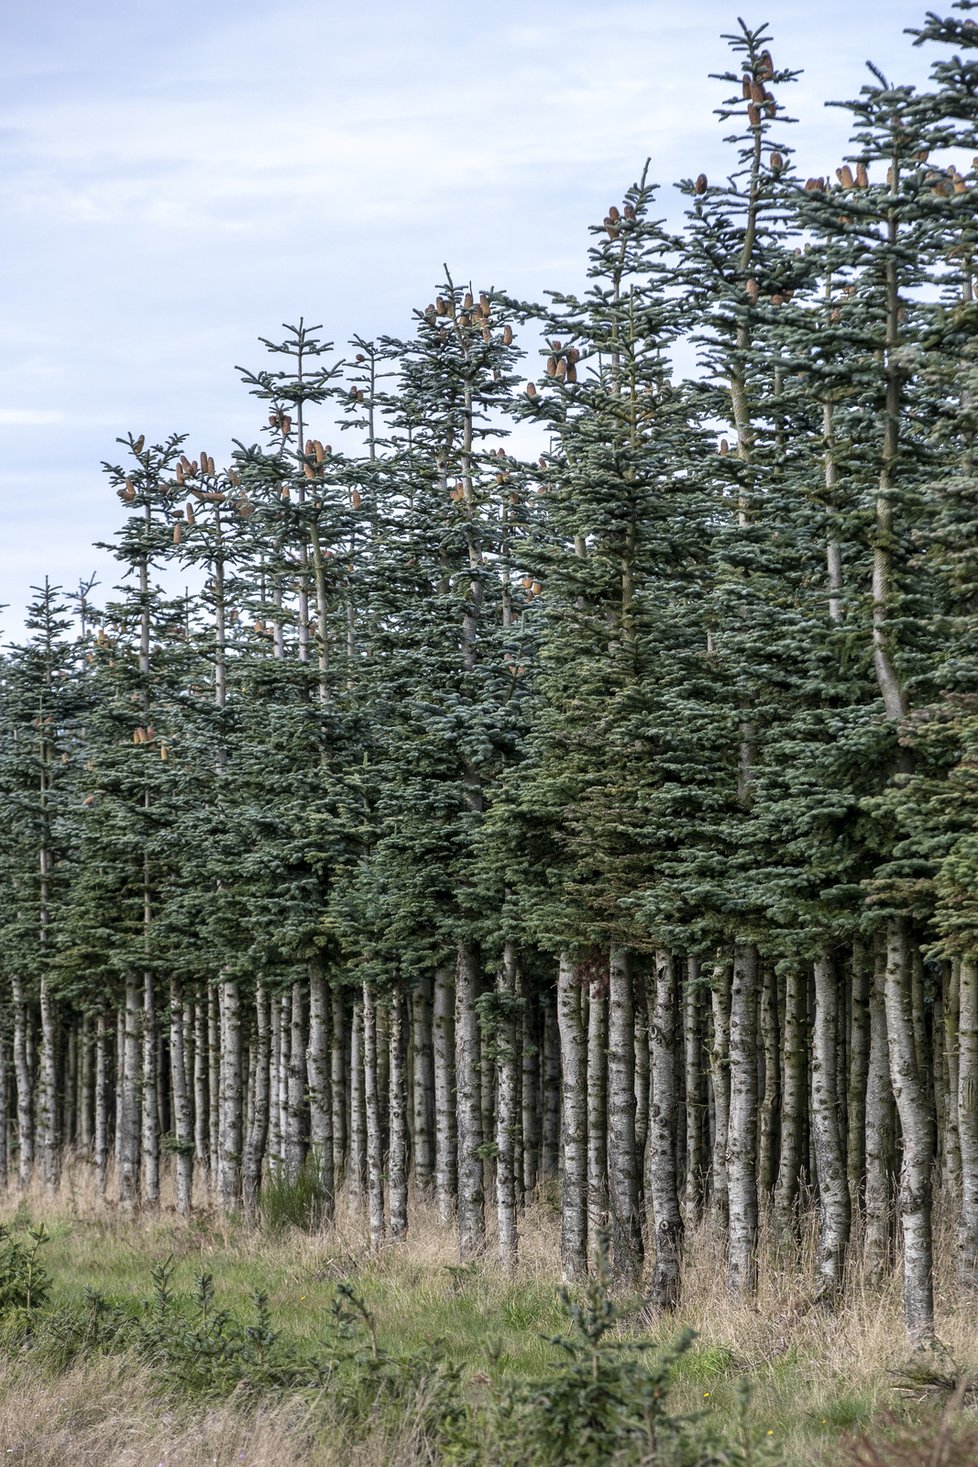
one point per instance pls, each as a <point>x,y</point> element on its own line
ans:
<point>606,819</point>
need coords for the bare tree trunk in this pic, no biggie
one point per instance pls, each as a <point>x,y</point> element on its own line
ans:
<point>550,1128</point>
<point>423,1088</point>
<point>862,978</point>
<point>597,1121</point>
<point>720,1085</point>
<point>229,1136</point>
<point>915,1127</point>
<point>397,1161</point>
<point>129,1109</point>
<point>446,1140</point>
<point>85,1086</point>
<point>274,1085</point>
<point>951,1009</point>
<point>213,1085</point>
<point>830,1153</point>
<point>574,1178</point>
<point>101,1125</point>
<point>375,1158</point>
<point>318,1057</point>
<point>742,1130</point>
<point>771,1101</point>
<point>471,1197</point>
<point>967,1107</point>
<point>794,1087</point>
<point>623,1185</point>
<point>149,1098</point>
<point>661,1172</point>
<point>530,1093</point>
<point>357,1166</point>
<point>507,1115</point>
<point>880,1131</point>
<point>182,1118</point>
<point>47,1094</point>
<point>696,1108</point>
<point>25,1086</point>
<point>339,1078</point>
<point>4,1115</point>
<point>201,1090</point>
<point>643,1001</point>
<point>254,1151</point>
<point>296,1084</point>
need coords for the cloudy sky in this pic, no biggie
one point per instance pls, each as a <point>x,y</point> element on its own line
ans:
<point>181,178</point>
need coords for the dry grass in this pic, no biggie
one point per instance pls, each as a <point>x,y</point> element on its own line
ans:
<point>815,1375</point>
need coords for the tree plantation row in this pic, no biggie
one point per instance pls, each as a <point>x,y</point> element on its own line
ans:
<point>605,821</point>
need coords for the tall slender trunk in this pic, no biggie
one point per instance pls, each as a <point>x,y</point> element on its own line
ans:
<point>149,1097</point>
<point>530,1094</point>
<point>375,1157</point>
<point>318,1056</point>
<point>720,1085</point>
<point>397,1162</point>
<point>623,1180</point>
<point>742,1129</point>
<point>950,1016</point>
<point>47,1093</point>
<point>693,1048</point>
<point>295,1084</point>
<point>862,977</point>
<point>201,1089</point>
<point>770,1121</point>
<point>550,1077</point>
<point>507,1115</point>
<point>880,1130</point>
<point>100,1139</point>
<point>574,1177</point>
<point>794,1086</point>
<point>231,1075</point>
<point>597,1120</point>
<point>967,1107</point>
<point>182,1117</point>
<point>129,1108</point>
<point>254,1150</point>
<point>4,1115</point>
<point>25,1086</point>
<point>471,1197</point>
<point>339,1074</point>
<point>423,1086</point>
<point>446,1140</point>
<point>833,1187</point>
<point>916,1130</point>
<point>213,1084</point>
<point>357,1165</point>
<point>663,1124</point>
<point>85,1086</point>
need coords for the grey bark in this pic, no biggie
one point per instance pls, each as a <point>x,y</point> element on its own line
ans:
<point>574,1176</point>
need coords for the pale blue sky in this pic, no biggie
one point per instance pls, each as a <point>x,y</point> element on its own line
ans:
<point>181,178</point>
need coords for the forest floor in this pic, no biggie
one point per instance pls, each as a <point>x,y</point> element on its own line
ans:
<point>817,1381</point>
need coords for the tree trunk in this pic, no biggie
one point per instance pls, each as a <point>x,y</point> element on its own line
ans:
<point>915,1126</point>
<point>693,1047</point>
<point>129,1109</point>
<point>967,1107</point>
<point>149,1097</point>
<point>397,1162</point>
<point>507,1115</point>
<point>182,1118</point>
<point>446,1140</point>
<point>833,1187</point>
<point>47,1094</point>
<point>880,1131</point>
<point>742,1129</point>
<point>471,1198</point>
<point>229,1137</point>
<point>623,1182</point>
<point>25,1086</point>
<point>771,1101</point>
<point>375,1158</point>
<point>201,1090</point>
<point>339,1078</point>
<point>597,1122</point>
<point>663,1123</point>
<point>296,1084</point>
<point>530,1094</point>
<point>574,1177</point>
<point>862,978</point>
<point>720,1085</point>
<point>423,1086</point>
<point>254,1151</point>
<point>100,1137</point>
<point>318,1056</point>
<point>213,1084</point>
<point>357,1167</point>
<point>794,1087</point>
